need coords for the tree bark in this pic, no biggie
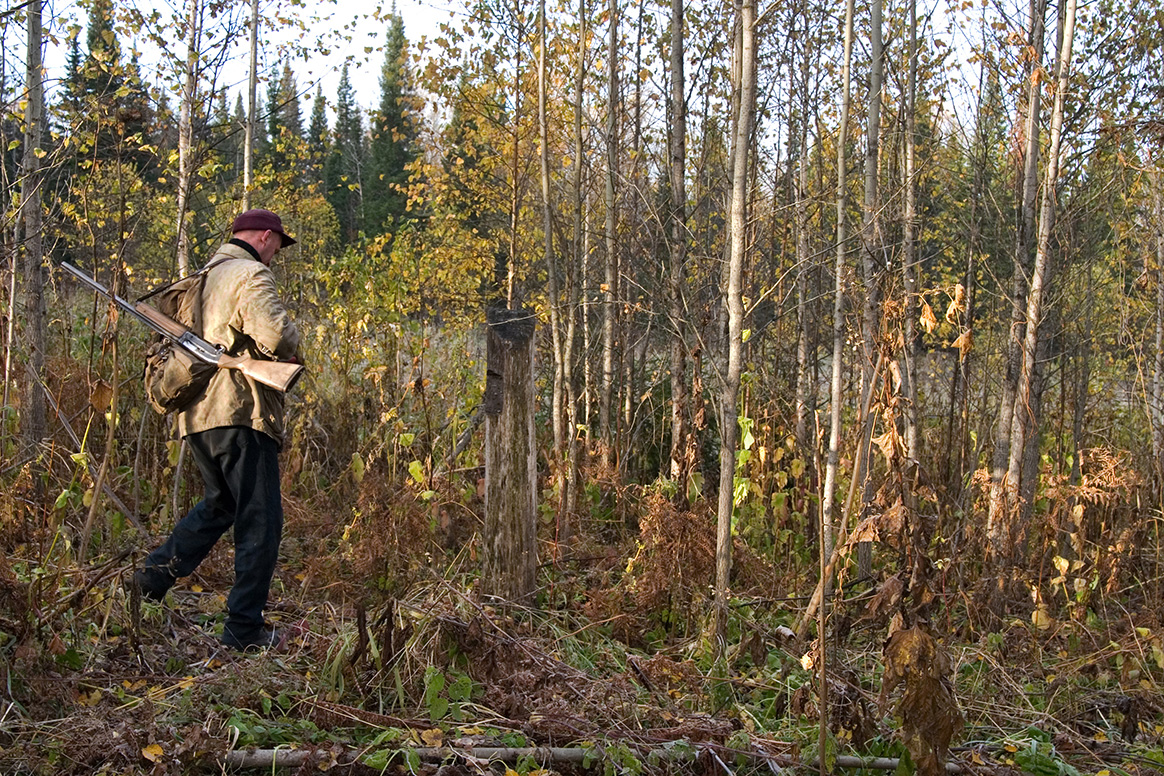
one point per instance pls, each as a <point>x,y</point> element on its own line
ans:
<point>510,552</point>
<point>515,161</point>
<point>35,421</point>
<point>1002,489</point>
<point>186,130</point>
<point>606,400</point>
<point>909,249</point>
<point>871,263</point>
<point>575,275</point>
<point>682,447</point>
<point>733,302</point>
<point>828,500</point>
<point>552,273</point>
<point>252,115</point>
<point>1026,417</point>
<point>1157,410</point>
<point>805,364</point>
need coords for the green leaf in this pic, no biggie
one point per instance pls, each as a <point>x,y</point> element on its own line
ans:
<point>71,658</point>
<point>417,472</point>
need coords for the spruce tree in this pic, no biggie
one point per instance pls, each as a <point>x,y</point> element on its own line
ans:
<point>238,128</point>
<point>344,171</point>
<point>284,121</point>
<point>393,143</point>
<point>228,141</point>
<point>290,116</point>
<point>317,136</point>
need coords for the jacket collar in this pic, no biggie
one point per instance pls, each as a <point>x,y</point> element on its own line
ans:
<point>246,246</point>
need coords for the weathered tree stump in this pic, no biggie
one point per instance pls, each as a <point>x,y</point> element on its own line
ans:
<point>510,552</point>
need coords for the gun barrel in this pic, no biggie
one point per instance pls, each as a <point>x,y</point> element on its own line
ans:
<point>280,375</point>
<point>139,311</point>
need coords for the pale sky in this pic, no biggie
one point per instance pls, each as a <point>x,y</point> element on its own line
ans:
<point>327,25</point>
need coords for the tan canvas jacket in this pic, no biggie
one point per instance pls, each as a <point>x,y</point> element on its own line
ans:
<point>242,312</point>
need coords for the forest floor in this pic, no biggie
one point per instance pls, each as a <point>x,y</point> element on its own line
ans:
<point>425,675</point>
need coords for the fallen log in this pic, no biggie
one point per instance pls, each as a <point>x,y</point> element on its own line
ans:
<point>297,758</point>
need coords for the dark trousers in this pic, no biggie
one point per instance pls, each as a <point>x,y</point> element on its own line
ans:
<point>240,468</point>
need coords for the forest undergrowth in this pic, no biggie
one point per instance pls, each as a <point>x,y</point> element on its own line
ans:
<point>398,664</point>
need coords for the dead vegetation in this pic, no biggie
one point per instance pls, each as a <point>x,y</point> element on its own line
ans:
<point>397,651</point>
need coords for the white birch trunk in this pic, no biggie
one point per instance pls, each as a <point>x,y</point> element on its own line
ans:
<point>605,408</point>
<point>186,130</point>
<point>252,110</point>
<point>1025,420</point>
<point>1002,489</point>
<point>729,426</point>
<point>828,501</point>
<point>682,451</point>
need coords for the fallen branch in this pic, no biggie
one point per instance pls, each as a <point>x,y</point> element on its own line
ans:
<point>297,758</point>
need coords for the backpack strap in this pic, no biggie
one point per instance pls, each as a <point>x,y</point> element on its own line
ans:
<point>202,272</point>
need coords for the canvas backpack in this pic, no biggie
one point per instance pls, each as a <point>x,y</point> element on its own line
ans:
<point>175,379</point>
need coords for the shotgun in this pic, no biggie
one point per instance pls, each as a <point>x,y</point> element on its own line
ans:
<point>280,375</point>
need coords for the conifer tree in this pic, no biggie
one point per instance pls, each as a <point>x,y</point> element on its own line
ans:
<point>344,171</point>
<point>238,128</point>
<point>393,143</point>
<point>228,140</point>
<point>317,135</point>
<point>284,120</point>
<point>74,90</point>
<point>290,115</point>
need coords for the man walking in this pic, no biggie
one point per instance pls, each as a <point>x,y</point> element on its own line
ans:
<point>234,432</point>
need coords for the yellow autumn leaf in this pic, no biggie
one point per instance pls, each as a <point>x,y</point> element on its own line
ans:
<point>929,321</point>
<point>153,753</point>
<point>432,736</point>
<point>89,698</point>
<point>964,343</point>
<point>957,304</point>
<point>1042,619</point>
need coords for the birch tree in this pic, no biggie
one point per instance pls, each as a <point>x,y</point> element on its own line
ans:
<point>610,260</point>
<point>733,302</point>
<point>682,448</point>
<point>1026,421</point>
<point>1002,489</point>
<point>193,37</point>
<point>836,391</point>
<point>252,109</point>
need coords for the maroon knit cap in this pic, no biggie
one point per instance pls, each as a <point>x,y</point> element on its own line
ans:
<point>261,220</point>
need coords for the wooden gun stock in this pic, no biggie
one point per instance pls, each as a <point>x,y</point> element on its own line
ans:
<point>280,375</point>
<point>162,323</point>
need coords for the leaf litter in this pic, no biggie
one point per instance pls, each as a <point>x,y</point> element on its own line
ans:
<point>623,669</point>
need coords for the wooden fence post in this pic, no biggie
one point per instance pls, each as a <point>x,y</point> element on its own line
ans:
<point>510,552</point>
